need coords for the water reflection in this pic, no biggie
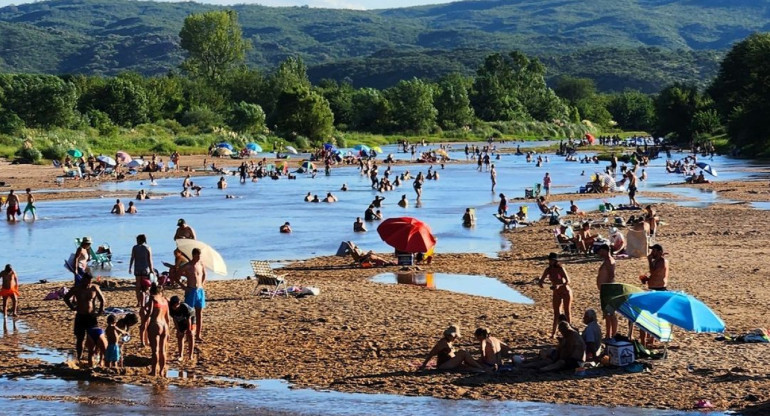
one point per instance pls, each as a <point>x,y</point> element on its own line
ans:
<point>459,283</point>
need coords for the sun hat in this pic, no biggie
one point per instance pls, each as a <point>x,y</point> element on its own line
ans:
<point>553,256</point>
<point>86,240</point>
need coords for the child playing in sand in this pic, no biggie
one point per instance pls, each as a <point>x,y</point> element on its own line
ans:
<point>10,289</point>
<point>112,353</point>
<point>96,342</point>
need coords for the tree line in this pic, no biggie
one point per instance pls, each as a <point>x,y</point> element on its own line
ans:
<point>214,89</point>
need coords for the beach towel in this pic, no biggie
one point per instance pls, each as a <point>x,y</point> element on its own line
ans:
<point>56,294</point>
<point>636,243</point>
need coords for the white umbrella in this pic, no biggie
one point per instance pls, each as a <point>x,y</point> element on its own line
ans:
<point>136,163</point>
<point>107,160</point>
<point>291,150</point>
<point>209,257</point>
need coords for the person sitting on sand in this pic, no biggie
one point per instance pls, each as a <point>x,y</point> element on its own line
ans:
<point>592,334</point>
<point>617,241</point>
<point>330,198</point>
<point>521,215</point>
<point>358,226</point>
<point>491,349</point>
<point>447,357</point>
<point>403,202</point>
<point>545,209</point>
<point>586,239</point>
<point>574,210</point>
<point>222,183</point>
<point>118,208</point>
<point>566,356</point>
<point>10,289</point>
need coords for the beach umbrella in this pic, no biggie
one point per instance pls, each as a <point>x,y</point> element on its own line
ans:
<point>612,295</point>
<point>75,153</point>
<point>291,150</point>
<point>407,234</point>
<point>209,257</point>
<point>223,151</point>
<point>136,163</point>
<point>225,145</point>
<point>707,168</point>
<point>123,157</point>
<point>308,165</point>
<point>254,147</point>
<point>678,308</point>
<point>377,149</point>
<point>362,148</point>
<point>107,160</point>
<point>648,322</point>
<point>590,138</point>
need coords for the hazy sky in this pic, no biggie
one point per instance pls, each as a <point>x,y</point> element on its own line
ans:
<point>336,4</point>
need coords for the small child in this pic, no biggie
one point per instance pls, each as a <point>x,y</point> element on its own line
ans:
<point>9,289</point>
<point>95,343</point>
<point>112,354</point>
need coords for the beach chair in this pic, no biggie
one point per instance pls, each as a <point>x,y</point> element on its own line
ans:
<point>99,259</point>
<point>267,277</point>
<point>568,247</point>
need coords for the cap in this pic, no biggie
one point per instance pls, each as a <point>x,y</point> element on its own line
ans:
<point>180,222</point>
<point>656,247</point>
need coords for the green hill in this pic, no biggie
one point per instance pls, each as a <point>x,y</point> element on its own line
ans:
<point>608,40</point>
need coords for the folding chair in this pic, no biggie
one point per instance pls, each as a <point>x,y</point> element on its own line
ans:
<point>566,247</point>
<point>98,259</point>
<point>267,277</point>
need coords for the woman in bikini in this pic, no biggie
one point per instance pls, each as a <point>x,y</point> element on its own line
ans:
<point>447,358</point>
<point>157,329</point>
<point>562,294</point>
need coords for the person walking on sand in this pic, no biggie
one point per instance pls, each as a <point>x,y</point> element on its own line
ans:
<point>607,275</point>
<point>30,206</point>
<point>184,320</point>
<point>562,293</point>
<point>141,262</point>
<point>493,176</point>
<point>10,289</point>
<point>12,206</point>
<point>157,329</point>
<point>85,294</point>
<point>184,231</point>
<point>195,295</point>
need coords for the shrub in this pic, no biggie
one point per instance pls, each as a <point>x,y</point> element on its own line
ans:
<point>186,141</point>
<point>54,152</point>
<point>29,155</point>
<point>301,142</point>
<point>163,147</point>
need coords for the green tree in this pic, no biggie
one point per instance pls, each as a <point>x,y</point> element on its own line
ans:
<point>214,43</point>
<point>371,111</point>
<point>124,100</point>
<point>675,107</point>
<point>247,118</point>
<point>340,97</point>
<point>741,92</point>
<point>575,89</point>
<point>305,113</point>
<point>412,105</point>
<point>39,100</point>
<point>453,102</point>
<point>291,75</point>
<point>632,110</point>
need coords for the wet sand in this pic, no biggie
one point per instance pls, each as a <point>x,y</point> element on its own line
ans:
<point>366,337</point>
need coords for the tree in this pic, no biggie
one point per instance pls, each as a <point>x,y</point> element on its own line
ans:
<point>291,75</point>
<point>412,105</point>
<point>741,92</point>
<point>632,110</point>
<point>305,113</point>
<point>675,107</point>
<point>214,43</point>
<point>371,111</point>
<point>247,118</point>
<point>453,102</point>
<point>38,100</point>
<point>575,89</point>
<point>124,101</point>
<point>340,97</point>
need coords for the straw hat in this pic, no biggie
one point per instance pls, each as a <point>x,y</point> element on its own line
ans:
<point>86,240</point>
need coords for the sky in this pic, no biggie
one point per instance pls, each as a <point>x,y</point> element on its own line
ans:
<point>334,4</point>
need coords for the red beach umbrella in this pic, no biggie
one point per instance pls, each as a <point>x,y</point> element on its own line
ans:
<point>407,234</point>
<point>590,138</point>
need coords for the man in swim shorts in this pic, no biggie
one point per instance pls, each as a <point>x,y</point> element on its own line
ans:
<point>194,294</point>
<point>12,206</point>
<point>9,289</point>
<point>30,206</point>
<point>85,317</point>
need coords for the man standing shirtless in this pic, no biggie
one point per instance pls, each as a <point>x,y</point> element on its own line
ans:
<point>658,279</point>
<point>12,206</point>
<point>607,275</point>
<point>85,294</point>
<point>30,206</point>
<point>183,230</point>
<point>194,295</point>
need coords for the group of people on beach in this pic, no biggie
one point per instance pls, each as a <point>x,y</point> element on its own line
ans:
<point>13,206</point>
